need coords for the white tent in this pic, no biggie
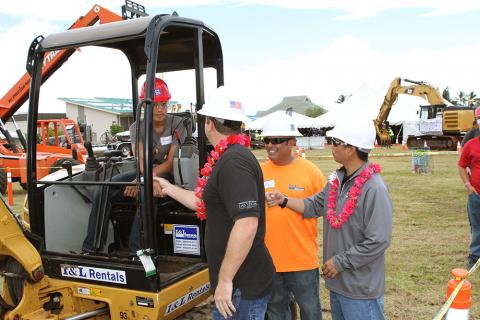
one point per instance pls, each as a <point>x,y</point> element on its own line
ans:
<point>300,120</point>
<point>365,103</point>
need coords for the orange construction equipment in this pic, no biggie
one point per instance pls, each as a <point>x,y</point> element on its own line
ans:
<point>9,187</point>
<point>50,153</point>
<point>18,94</point>
<point>460,306</point>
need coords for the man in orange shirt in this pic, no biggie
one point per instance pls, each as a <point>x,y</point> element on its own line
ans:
<point>291,239</point>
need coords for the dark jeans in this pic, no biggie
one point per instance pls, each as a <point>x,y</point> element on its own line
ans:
<point>115,194</point>
<point>305,288</point>
<point>344,308</point>
<point>473,208</point>
<point>245,309</point>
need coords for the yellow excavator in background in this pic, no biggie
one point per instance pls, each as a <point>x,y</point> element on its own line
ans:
<point>455,120</point>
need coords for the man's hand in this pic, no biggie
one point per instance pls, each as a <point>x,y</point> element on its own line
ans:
<point>131,191</point>
<point>273,198</point>
<point>328,269</point>
<point>223,298</point>
<point>470,188</point>
<point>160,186</point>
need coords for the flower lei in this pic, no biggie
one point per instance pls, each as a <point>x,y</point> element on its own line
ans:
<point>353,194</point>
<point>205,172</point>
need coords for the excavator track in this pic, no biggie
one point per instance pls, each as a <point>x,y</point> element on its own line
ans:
<point>433,142</point>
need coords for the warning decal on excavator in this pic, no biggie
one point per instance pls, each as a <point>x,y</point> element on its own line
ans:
<point>90,273</point>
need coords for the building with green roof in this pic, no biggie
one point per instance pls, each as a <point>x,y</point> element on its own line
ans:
<point>100,113</point>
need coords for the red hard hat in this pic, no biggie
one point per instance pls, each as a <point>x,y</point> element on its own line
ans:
<point>160,92</point>
<point>477,112</point>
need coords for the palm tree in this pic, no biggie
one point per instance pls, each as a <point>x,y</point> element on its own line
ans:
<point>471,98</point>
<point>462,98</point>
<point>342,98</point>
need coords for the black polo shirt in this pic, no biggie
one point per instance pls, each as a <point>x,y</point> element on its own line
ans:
<point>234,191</point>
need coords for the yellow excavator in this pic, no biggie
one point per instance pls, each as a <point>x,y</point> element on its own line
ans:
<point>43,273</point>
<point>455,121</point>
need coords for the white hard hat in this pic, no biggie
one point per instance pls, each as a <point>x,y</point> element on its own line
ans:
<point>358,133</point>
<point>222,104</point>
<point>281,126</point>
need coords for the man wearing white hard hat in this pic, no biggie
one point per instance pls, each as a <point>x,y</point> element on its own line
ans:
<point>291,239</point>
<point>357,224</point>
<point>231,197</point>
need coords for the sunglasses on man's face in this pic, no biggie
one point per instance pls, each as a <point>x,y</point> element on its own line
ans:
<point>337,142</point>
<point>275,140</point>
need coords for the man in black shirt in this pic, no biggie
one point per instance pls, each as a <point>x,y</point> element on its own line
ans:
<point>241,269</point>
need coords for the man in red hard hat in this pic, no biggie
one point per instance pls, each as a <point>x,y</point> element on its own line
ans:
<point>168,133</point>
<point>474,132</point>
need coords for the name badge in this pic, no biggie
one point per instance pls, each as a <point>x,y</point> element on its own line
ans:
<point>166,140</point>
<point>269,184</point>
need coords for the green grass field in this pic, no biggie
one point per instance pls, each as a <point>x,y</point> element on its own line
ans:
<point>430,233</point>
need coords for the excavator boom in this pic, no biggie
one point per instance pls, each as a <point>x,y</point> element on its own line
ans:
<point>417,88</point>
<point>18,94</point>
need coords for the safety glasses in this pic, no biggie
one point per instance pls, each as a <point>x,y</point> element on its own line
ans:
<point>337,142</point>
<point>160,106</point>
<point>275,140</point>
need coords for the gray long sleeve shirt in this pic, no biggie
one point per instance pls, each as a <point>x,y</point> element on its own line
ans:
<point>358,247</point>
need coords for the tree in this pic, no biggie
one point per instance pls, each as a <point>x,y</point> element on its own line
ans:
<point>471,98</point>
<point>115,128</point>
<point>462,98</point>
<point>314,112</point>
<point>446,94</point>
<point>342,98</point>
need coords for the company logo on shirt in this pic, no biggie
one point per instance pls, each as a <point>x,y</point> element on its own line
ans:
<point>247,205</point>
<point>295,187</point>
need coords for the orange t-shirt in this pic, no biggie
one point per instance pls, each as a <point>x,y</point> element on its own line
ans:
<point>291,239</point>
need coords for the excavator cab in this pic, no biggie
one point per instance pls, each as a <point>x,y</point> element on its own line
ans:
<point>50,276</point>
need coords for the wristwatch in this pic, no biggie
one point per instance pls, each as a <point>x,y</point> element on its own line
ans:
<point>284,203</point>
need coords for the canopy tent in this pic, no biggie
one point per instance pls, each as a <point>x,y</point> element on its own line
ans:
<point>365,103</point>
<point>300,120</point>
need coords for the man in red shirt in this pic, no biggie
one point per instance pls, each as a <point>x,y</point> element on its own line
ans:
<point>470,157</point>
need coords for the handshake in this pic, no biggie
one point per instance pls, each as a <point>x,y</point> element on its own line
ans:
<point>161,187</point>
<point>274,198</point>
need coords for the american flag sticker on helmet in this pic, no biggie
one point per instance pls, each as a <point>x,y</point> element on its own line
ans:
<point>235,105</point>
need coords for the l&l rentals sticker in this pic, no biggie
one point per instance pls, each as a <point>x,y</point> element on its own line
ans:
<point>174,305</point>
<point>96,274</point>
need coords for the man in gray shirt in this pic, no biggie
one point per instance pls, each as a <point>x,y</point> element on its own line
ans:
<point>168,133</point>
<point>357,224</point>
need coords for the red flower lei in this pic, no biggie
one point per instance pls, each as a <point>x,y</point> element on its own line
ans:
<point>353,194</point>
<point>205,172</point>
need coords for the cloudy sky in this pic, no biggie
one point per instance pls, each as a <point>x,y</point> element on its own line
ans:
<point>272,48</point>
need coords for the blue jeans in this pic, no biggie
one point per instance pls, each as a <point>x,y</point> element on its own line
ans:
<point>305,288</point>
<point>344,308</point>
<point>473,208</point>
<point>246,309</point>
